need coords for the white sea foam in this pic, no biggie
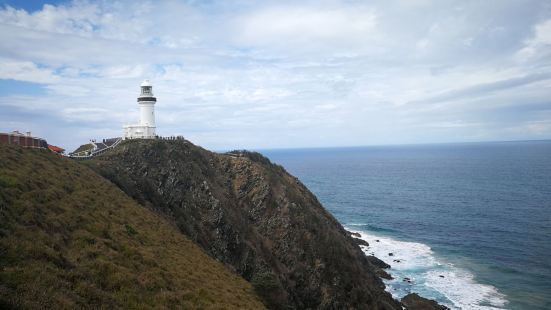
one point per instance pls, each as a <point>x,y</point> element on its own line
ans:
<point>430,276</point>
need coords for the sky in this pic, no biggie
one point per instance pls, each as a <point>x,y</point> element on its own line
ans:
<point>279,74</point>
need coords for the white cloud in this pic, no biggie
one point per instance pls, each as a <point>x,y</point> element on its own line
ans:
<point>452,124</point>
<point>25,71</point>
<point>292,27</point>
<point>116,20</point>
<point>86,114</point>
<point>278,73</point>
<point>539,44</point>
<point>68,90</point>
<point>542,34</point>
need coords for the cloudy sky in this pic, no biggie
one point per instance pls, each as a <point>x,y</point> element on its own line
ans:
<point>272,74</point>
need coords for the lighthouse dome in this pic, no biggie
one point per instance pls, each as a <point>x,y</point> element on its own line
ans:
<point>146,83</point>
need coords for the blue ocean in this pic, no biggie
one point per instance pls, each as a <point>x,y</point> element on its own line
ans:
<point>468,225</point>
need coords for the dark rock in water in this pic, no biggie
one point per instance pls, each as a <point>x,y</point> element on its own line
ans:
<point>360,241</point>
<point>406,279</point>
<point>396,260</point>
<point>355,234</point>
<point>377,240</point>
<point>415,302</point>
<point>390,254</point>
<point>383,274</point>
<point>254,217</point>
<point>441,276</point>
<point>377,262</point>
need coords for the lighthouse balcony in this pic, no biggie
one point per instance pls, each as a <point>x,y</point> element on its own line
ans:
<point>140,99</point>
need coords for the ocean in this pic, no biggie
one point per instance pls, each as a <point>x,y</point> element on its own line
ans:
<point>468,224</point>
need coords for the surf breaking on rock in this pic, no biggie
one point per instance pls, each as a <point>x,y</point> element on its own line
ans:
<point>415,268</point>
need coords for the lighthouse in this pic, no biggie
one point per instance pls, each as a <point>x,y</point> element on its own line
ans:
<point>146,128</point>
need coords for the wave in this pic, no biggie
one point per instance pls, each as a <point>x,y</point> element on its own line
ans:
<point>415,268</point>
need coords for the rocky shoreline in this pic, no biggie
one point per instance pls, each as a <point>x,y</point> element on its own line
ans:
<point>411,301</point>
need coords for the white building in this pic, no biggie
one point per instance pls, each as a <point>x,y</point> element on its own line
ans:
<point>146,128</point>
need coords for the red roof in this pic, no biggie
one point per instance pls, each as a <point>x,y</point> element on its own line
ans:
<point>56,149</point>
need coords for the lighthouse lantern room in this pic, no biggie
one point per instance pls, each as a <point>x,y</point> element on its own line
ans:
<point>146,128</point>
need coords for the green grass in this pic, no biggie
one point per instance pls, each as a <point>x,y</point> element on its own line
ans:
<point>84,147</point>
<point>70,239</point>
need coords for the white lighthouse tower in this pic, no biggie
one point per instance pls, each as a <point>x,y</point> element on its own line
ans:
<point>146,128</point>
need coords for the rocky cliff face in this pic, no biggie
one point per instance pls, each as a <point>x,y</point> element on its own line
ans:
<point>253,216</point>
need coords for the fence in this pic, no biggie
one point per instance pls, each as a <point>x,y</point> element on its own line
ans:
<point>107,144</point>
<point>97,148</point>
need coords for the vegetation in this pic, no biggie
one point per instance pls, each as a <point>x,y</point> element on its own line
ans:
<point>267,287</point>
<point>71,239</point>
<point>84,147</point>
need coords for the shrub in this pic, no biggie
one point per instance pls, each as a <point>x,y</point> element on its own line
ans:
<point>7,181</point>
<point>130,230</point>
<point>267,286</point>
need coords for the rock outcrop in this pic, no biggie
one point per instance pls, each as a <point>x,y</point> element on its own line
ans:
<point>360,242</point>
<point>415,302</point>
<point>253,216</point>
<point>377,262</point>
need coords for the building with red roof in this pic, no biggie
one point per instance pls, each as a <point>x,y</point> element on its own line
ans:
<point>55,149</point>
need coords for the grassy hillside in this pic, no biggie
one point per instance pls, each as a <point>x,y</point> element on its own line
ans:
<point>71,239</point>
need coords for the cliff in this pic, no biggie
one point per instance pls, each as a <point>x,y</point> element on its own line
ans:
<point>69,239</point>
<point>254,217</point>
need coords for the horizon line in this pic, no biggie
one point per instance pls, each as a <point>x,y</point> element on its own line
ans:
<point>378,145</point>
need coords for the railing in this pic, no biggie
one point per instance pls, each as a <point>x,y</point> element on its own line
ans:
<point>170,138</point>
<point>94,151</point>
